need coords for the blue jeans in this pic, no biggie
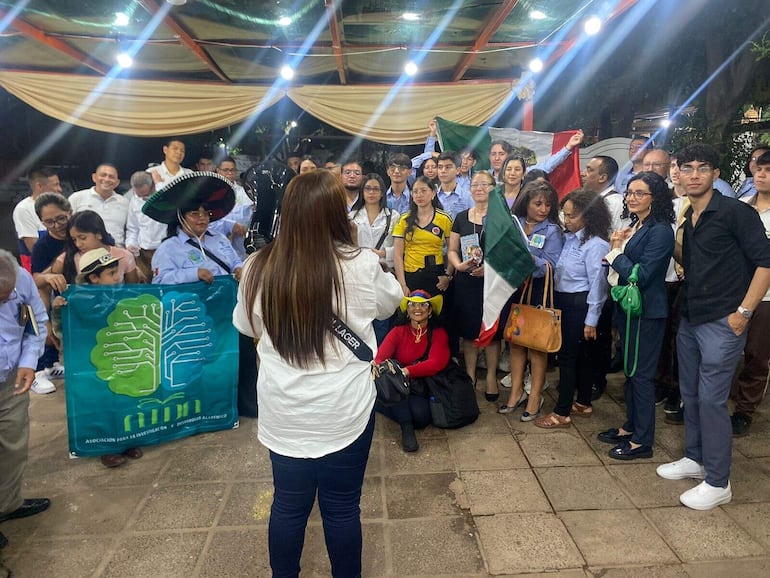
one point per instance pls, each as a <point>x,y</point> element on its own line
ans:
<point>708,356</point>
<point>337,478</point>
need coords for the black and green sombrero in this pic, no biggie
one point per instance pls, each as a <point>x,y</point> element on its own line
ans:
<point>189,192</point>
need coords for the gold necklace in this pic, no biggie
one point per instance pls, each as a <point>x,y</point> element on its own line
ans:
<point>418,334</point>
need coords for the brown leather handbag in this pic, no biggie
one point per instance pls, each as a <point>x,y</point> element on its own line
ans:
<point>535,327</point>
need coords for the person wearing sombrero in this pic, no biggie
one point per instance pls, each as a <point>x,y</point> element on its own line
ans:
<point>407,343</point>
<point>192,251</point>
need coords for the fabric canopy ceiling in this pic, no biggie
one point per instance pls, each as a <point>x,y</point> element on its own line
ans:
<point>204,64</point>
<point>155,108</point>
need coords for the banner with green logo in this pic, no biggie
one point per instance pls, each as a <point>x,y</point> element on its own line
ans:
<point>148,363</point>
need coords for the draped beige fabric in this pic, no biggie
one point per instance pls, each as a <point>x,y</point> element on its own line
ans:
<point>387,114</point>
<point>400,116</point>
<point>137,107</point>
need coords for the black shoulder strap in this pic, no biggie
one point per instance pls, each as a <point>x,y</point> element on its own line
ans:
<point>352,341</point>
<point>385,232</point>
<point>211,256</point>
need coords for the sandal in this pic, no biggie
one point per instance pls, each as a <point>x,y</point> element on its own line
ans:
<point>580,410</point>
<point>553,421</point>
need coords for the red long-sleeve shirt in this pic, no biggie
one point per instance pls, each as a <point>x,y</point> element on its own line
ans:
<point>400,345</point>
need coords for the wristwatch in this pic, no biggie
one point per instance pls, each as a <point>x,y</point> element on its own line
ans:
<point>745,313</point>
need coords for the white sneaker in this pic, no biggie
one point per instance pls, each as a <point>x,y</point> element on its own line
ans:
<point>506,381</point>
<point>528,383</point>
<point>42,384</point>
<point>55,372</point>
<point>704,496</point>
<point>682,469</point>
<point>505,363</point>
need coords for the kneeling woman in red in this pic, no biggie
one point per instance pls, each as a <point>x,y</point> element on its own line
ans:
<point>421,347</point>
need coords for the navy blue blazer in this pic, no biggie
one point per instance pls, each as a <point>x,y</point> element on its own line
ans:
<point>651,246</point>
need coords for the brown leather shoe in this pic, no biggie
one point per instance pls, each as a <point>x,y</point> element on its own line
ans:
<point>113,460</point>
<point>580,410</point>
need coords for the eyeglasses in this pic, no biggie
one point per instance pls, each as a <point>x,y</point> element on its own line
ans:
<point>701,170</point>
<point>351,173</point>
<point>418,304</point>
<point>481,185</point>
<point>60,220</point>
<point>398,168</point>
<point>199,214</point>
<point>636,194</point>
<point>372,189</point>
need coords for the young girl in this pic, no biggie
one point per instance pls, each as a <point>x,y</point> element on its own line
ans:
<point>86,232</point>
<point>97,267</point>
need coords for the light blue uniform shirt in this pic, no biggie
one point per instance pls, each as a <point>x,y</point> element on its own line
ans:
<point>454,202</point>
<point>580,269</point>
<point>724,187</point>
<point>17,348</point>
<point>398,204</point>
<point>545,245</point>
<point>176,261</point>
<point>747,189</point>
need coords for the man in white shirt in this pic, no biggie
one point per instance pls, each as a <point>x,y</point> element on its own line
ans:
<point>599,176</point>
<point>103,199</point>
<point>25,220</point>
<point>171,167</point>
<point>143,234</point>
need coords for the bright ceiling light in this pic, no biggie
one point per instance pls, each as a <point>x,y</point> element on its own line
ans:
<point>410,68</point>
<point>177,2</point>
<point>124,59</point>
<point>121,19</point>
<point>287,72</point>
<point>665,123</point>
<point>593,25</point>
<point>410,16</point>
<point>536,65</point>
<point>537,15</point>
<point>284,20</point>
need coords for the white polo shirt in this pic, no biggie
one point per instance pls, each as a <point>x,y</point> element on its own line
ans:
<point>113,210</point>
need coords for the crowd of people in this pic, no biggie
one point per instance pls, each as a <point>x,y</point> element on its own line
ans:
<point>399,260</point>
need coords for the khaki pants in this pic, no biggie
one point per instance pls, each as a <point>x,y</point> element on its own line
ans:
<point>14,442</point>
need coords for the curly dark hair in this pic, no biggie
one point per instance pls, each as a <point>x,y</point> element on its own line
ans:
<point>533,190</point>
<point>411,218</point>
<point>662,208</point>
<point>592,208</point>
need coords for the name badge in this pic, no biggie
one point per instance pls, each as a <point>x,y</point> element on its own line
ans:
<point>537,241</point>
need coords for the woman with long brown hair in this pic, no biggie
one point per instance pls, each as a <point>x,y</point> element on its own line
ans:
<point>316,397</point>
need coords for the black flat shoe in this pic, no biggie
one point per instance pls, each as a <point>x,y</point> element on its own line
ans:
<point>624,451</point>
<point>611,436</point>
<point>28,508</point>
<point>492,396</point>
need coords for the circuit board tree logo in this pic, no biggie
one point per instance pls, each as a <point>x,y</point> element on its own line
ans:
<point>152,344</point>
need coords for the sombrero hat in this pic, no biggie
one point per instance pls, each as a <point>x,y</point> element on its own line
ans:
<point>188,192</point>
<point>420,296</point>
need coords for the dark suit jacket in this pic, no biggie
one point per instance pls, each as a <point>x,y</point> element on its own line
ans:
<point>651,247</point>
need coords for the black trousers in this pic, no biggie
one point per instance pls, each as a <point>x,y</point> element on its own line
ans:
<point>576,365</point>
<point>247,377</point>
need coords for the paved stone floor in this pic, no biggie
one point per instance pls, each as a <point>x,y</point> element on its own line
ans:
<point>498,498</point>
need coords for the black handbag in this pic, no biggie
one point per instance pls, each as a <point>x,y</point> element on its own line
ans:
<point>389,380</point>
<point>452,396</point>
